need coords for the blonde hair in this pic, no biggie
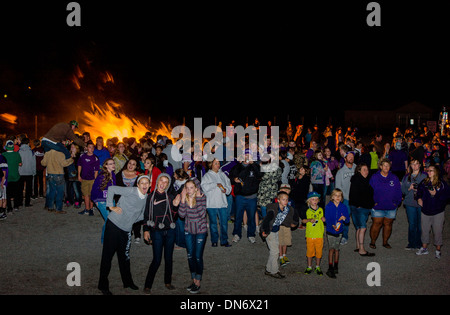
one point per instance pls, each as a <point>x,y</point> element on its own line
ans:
<point>188,198</point>
<point>335,192</point>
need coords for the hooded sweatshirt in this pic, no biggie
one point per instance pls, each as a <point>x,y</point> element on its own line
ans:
<point>215,198</point>
<point>433,205</point>
<point>361,193</point>
<point>28,161</point>
<point>159,208</point>
<point>387,192</point>
<point>132,203</point>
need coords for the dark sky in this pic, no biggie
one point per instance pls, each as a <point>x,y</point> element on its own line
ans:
<point>230,60</point>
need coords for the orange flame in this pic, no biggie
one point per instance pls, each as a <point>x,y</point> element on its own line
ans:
<point>108,122</point>
<point>9,118</point>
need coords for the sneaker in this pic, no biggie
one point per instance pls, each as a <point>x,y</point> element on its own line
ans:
<point>195,289</point>
<point>3,216</point>
<point>330,273</point>
<point>282,262</point>
<point>91,212</point>
<point>252,240</point>
<point>77,205</point>
<point>437,254</point>
<point>422,251</point>
<point>318,271</point>
<point>137,240</point>
<point>83,212</point>
<point>236,238</point>
<point>189,288</point>
<point>277,275</point>
<point>67,204</point>
<point>344,241</point>
<point>308,270</point>
<point>286,260</point>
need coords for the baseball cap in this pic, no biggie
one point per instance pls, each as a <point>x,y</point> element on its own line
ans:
<point>313,194</point>
<point>74,122</point>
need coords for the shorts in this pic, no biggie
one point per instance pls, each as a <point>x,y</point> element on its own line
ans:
<point>360,216</point>
<point>314,247</point>
<point>2,192</point>
<point>334,241</point>
<point>284,236</point>
<point>86,187</point>
<point>388,214</point>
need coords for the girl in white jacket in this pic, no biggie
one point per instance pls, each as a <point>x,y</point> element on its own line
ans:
<point>216,186</point>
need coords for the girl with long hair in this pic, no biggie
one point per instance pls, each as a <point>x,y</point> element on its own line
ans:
<point>432,195</point>
<point>99,191</point>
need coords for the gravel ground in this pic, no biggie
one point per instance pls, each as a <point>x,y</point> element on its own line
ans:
<point>36,247</point>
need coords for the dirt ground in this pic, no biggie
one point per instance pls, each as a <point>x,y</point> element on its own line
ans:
<point>36,248</point>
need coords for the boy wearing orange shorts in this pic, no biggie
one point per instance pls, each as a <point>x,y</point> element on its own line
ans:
<point>314,232</point>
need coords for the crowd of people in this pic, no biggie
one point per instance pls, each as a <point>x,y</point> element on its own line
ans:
<point>323,182</point>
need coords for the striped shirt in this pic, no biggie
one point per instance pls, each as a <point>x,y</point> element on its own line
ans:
<point>195,218</point>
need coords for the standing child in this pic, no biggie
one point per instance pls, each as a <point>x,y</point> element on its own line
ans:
<point>314,232</point>
<point>88,167</point>
<point>336,214</point>
<point>285,235</point>
<point>279,215</point>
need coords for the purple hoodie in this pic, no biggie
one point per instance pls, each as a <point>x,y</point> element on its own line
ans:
<point>387,192</point>
<point>98,195</point>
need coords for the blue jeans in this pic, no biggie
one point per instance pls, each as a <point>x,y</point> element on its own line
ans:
<point>74,192</point>
<point>180,240</point>
<point>101,206</point>
<point>47,146</point>
<point>56,191</point>
<point>248,205</point>
<point>223,220</point>
<point>345,228</point>
<point>414,229</point>
<point>162,240</point>
<point>230,202</point>
<point>195,245</point>
<point>263,212</point>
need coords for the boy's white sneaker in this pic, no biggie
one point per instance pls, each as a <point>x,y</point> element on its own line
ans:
<point>422,251</point>
<point>438,254</point>
<point>236,238</point>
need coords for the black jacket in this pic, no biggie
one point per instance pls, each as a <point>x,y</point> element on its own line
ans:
<point>361,193</point>
<point>272,211</point>
<point>250,175</point>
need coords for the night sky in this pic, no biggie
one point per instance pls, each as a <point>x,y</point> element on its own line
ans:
<point>228,60</point>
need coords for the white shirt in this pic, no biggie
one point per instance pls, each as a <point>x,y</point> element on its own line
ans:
<point>215,198</point>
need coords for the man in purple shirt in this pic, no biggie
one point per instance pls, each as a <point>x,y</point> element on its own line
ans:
<point>88,167</point>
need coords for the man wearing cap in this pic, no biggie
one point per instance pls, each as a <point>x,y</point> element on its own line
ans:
<point>14,160</point>
<point>59,133</point>
<point>342,182</point>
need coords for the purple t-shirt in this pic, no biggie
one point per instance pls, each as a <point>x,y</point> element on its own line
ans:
<point>89,165</point>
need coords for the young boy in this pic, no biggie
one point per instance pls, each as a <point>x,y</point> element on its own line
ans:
<point>88,167</point>
<point>278,214</point>
<point>336,214</point>
<point>285,236</point>
<point>314,231</point>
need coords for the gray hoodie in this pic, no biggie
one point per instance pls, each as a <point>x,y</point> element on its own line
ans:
<point>28,161</point>
<point>132,204</point>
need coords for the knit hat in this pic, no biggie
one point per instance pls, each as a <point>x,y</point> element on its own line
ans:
<point>9,145</point>
<point>143,176</point>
